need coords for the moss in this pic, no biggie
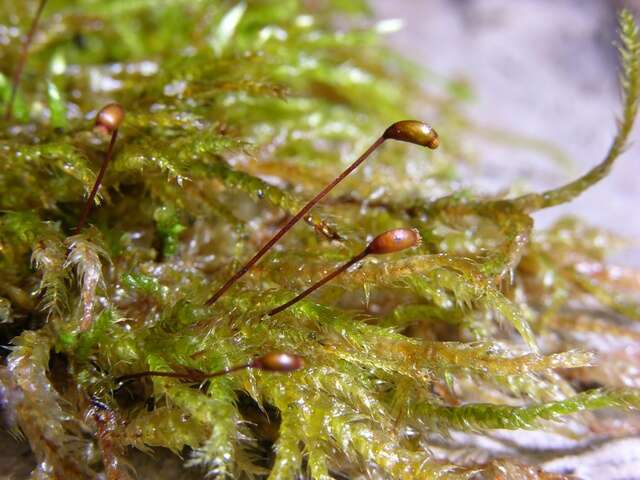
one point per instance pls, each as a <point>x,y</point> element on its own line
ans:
<point>236,113</point>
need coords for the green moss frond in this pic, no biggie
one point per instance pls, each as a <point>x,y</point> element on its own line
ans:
<point>61,170</point>
<point>514,231</point>
<point>361,341</point>
<point>165,426</point>
<point>288,461</point>
<point>260,190</point>
<point>49,258</point>
<point>85,257</point>
<point>449,283</point>
<point>217,412</point>
<point>630,82</point>
<point>487,416</point>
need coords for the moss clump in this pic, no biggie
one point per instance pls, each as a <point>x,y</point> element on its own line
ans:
<point>236,113</point>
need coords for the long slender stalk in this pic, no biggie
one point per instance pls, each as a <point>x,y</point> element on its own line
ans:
<point>270,362</point>
<point>197,376</point>
<point>108,120</point>
<point>295,219</point>
<point>96,185</point>
<point>411,131</point>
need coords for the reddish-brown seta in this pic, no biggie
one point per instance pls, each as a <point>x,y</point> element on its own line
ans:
<point>281,362</point>
<point>108,121</point>
<point>412,131</point>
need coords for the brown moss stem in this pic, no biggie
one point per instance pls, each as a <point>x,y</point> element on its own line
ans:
<point>295,219</point>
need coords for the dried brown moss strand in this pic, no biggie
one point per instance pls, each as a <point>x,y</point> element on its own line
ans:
<point>293,221</point>
<point>17,73</point>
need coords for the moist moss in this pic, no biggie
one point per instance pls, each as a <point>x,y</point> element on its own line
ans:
<point>236,113</point>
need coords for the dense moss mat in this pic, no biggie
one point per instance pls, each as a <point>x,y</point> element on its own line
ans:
<point>235,114</point>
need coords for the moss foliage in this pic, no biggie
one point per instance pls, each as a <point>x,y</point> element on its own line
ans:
<point>237,112</point>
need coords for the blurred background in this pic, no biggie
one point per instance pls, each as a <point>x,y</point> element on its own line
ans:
<point>545,69</point>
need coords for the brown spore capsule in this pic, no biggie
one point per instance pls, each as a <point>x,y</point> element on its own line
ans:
<point>388,242</point>
<point>393,241</point>
<point>109,118</point>
<point>278,362</point>
<point>413,131</point>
